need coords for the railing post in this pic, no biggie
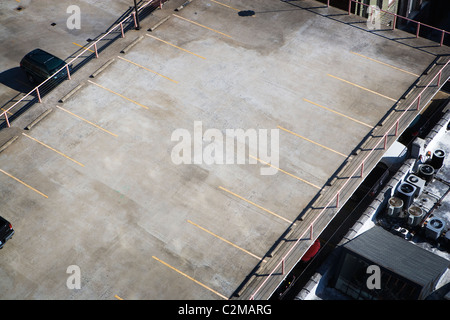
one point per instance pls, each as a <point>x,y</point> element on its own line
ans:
<point>385,141</point>
<point>362,169</point>
<point>418,29</point>
<point>39,96</point>
<point>337,200</point>
<point>311,231</point>
<point>418,102</point>
<point>439,78</point>
<point>328,3</point>
<point>394,22</point>
<point>396,128</point>
<point>7,121</point>
<point>121,30</point>
<point>160,4</point>
<point>68,72</point>
<point>282,266</point>
<point>442,37</point>
<point>349,6</point>
<point>95,48</point>
<point>134,18</point>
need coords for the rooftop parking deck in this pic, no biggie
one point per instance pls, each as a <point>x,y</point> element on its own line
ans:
<point>94,184</point>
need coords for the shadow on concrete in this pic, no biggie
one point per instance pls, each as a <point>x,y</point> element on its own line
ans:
<point>360,21</point>
<point>16,79</point>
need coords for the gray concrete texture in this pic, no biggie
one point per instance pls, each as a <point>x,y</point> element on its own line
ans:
<point>114,203</point>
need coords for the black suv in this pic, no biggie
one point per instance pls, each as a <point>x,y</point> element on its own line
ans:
<point>6,231</point>
<point>40,65</point>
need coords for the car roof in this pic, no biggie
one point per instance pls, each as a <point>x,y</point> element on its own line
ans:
<point>43,57</point>
<point>3,221</point>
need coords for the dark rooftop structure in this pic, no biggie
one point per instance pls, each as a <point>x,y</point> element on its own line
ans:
<point>407,271</point>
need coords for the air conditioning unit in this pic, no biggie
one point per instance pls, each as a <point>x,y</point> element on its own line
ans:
<point>426,172</point>
<point>437,160</point>
<point>415,216</point>
<point>406,192</point>
<point>395,206</point>
<point>434,228</point>
<point>419,183</point>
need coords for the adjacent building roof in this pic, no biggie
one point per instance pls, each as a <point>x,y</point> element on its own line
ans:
<point>398,255</point>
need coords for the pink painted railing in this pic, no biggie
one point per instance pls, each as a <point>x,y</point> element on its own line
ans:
<point>396,17</point>
<point>92,48</point>
<point>359,171</point>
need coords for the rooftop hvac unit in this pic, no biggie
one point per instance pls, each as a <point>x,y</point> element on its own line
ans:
<point>437,160</point>
<point>406,192</point>
<point>415,216</point>
<point>419,183</point>
<point>426,172</point>
<point>434,228</point>
<point>395,206</point>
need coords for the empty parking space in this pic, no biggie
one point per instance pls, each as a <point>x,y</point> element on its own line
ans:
<point>108,194</point>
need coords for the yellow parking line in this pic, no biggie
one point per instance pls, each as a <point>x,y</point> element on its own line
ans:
<point>254,204</point>
<point>285,172</point>
<point>383,63</point>
<point>361,87</point>
<point>200,25</point>
<point>138,65</point>
<point>6,111</point>
<point>224,240</point>
<point>93,124</point>
<point>79,45</point>
<point>313,142</point>
<point>26,185</point>
<point>117,297</point>
<point>118,94</point>
<point>225,5</point>
<point>189,277</point>
<point>338,113</point>
<point>170,44</point>
<point>58,152</point>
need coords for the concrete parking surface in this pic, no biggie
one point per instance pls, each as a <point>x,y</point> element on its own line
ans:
<point>94,185</point>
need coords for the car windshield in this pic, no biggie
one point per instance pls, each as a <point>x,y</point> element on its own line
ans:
<point>54,64</point>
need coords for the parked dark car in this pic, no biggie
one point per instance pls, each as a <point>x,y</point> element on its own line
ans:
<point>40,65</point>
<point>6,231</point>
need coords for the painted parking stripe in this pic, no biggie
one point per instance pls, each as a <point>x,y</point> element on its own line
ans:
<point>200,25</point>
<point>224,240</point>
<point>338,113</point>
<point>87,121</point>
<point>48,147</point>
<point>285,172</point>
<point>25,184</point>
<point>361,87</point>
<point>79,45</point>
<point>118,94</point>
<point>225,5</point>
<point>171,44</point>
<point>313,142</point>
<point>145,68</point>
<point>254,204</point>
<point>190,278</point>
<point>383,63</point>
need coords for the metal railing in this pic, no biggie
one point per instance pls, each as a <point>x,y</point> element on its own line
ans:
<point>359,172</point>
<point>129,21</point>
<point>397,18</point>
